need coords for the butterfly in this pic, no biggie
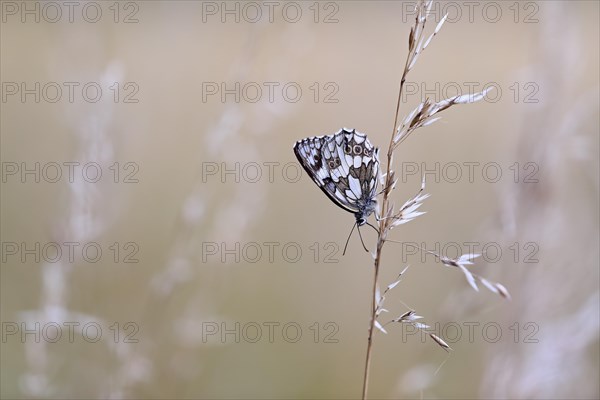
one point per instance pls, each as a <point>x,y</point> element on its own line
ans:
<point>345,166</point>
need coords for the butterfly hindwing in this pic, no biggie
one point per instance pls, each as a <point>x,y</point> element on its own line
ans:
<point>345,166</point>
<point>315,156</point>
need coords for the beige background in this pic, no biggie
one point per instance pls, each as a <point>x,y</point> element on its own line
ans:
<point>177,290</point>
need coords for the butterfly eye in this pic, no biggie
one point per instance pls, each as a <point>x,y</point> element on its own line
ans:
<point>357,149</point>
<point>347,149</point>
<point>366,152</point>
<point>331,164</point>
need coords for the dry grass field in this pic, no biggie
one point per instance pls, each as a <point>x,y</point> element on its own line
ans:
<point>160,240</point>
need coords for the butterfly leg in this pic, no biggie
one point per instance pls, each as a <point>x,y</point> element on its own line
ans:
<point>376,230</point>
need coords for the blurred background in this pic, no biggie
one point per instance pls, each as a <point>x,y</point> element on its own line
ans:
<point>159,239</point>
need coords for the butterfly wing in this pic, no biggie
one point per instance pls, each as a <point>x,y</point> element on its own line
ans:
<point>344,165</point>
<point>315,156</point>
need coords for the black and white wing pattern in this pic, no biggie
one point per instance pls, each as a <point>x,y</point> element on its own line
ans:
<point>345,166</point>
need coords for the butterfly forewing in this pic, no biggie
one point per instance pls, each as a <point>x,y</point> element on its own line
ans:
<point>345,166</point>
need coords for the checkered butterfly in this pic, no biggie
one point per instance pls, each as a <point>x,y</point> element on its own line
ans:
<point>345,166</point>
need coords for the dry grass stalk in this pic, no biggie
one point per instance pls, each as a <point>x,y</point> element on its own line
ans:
<point>425,114</point>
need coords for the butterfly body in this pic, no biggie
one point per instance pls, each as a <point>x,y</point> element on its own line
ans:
<point>345,166</point>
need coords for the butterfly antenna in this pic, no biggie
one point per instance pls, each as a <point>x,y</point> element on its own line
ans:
<point>347,240</point>
<point>361,240</point>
